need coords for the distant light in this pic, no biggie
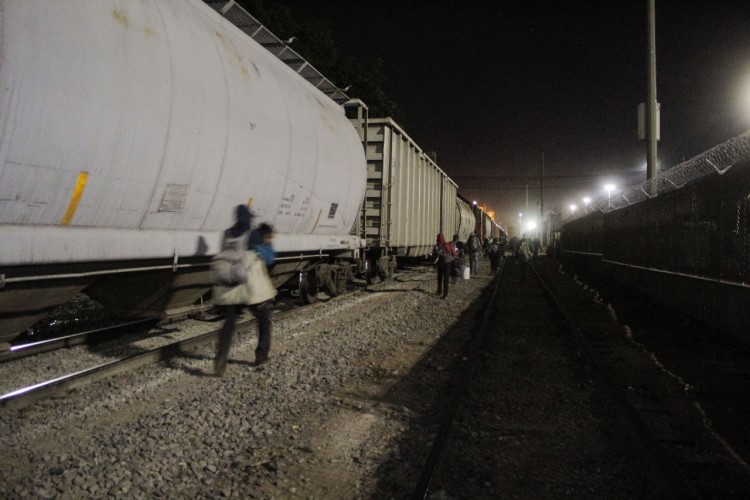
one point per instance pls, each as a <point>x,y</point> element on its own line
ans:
<point>474,202</point>
<point>520,215</point>
<point>609,188</point>
<point>573,207</point>
<point>531,225</point>
<point>587,200</point>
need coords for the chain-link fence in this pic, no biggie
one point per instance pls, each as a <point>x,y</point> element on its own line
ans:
<point>692,219</point>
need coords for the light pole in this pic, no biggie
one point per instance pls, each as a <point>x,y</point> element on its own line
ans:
<point>520,227</point>
<point>609,188</point>
<point>573,208</point>
<point>587,200</point>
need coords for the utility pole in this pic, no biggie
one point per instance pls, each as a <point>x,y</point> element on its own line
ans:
<point>651,165</point>
<point>527,199</point>
<point>541,207</point>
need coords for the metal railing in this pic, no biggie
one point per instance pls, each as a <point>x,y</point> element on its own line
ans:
<point>239,17</point>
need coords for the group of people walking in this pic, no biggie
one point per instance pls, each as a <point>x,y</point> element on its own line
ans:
<point>455,259</point>
<point>450,258</point>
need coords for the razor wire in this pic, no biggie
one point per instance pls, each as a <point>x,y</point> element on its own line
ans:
<point>717,160</point>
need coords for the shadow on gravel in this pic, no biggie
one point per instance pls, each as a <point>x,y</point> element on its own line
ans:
<point>172,362</point>
<point>714,364</point>
<point>419,398</point>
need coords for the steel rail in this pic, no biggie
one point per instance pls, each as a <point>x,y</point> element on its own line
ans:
<point>668,476</point>
<point>60,385</point>
<point>74,339</point>
<point>422,488</point>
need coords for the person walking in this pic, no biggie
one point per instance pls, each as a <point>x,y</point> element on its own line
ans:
<point>494,252</point>
<point>458,245</point>
<point>261,241</point>
<point>524,258</point>
<point>457,266</point>
<point>257,292</point>
<point>442,256</point>
<point>472,248</point>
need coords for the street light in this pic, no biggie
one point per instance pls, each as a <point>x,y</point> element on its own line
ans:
<point>573,208</point>
<point>609,188</point>
<point>520,227</point>
<point>587,200</point>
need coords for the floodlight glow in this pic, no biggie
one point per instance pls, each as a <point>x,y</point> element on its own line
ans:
<point>573,207</point>
<point>587,200</point>
<point>531,225</point>
<point>474,202</point>
<point>745,100</point>
<point>609,188</point>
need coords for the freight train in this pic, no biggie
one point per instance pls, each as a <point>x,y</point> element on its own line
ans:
<point>130,130</point>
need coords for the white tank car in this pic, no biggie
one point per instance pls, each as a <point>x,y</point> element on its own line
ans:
<point>129,131</point>
<point>465,221</point>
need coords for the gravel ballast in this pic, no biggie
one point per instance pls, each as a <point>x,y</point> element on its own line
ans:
<point>174,430</point>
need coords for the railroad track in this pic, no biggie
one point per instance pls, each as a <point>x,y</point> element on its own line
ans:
<point>62,384</point>
<point>685,459</point>
<point>424,483</point>
<point>89,337</point>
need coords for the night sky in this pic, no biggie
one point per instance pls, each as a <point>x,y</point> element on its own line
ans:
<point>491,86</point>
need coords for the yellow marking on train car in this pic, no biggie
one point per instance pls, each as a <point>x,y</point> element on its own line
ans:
<point>75,198</point>
<point>120,16</point>
<point>249,203</point>
<point>317,220</point>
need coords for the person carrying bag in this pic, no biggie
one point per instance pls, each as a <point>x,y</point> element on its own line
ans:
<point>257,291</point>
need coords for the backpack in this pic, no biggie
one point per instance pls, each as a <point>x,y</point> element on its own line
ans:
<point>228,266</point>
<point>444,255</point>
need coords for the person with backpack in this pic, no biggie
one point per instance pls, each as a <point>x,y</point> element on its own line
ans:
<point>494,252</point>
<point>256,290</point>
<point>442,257</point>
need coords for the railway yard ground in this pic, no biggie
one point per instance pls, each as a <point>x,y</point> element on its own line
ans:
<point>360,389</point>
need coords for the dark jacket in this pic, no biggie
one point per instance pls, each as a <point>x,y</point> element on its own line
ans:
<point>441,243</point>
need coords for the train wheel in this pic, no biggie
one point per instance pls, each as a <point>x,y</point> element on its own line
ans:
<point>342,280</point>
<point>330,283</point>
<point>392,265</point>
<point>384,268</point>
<point>308,287</point>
